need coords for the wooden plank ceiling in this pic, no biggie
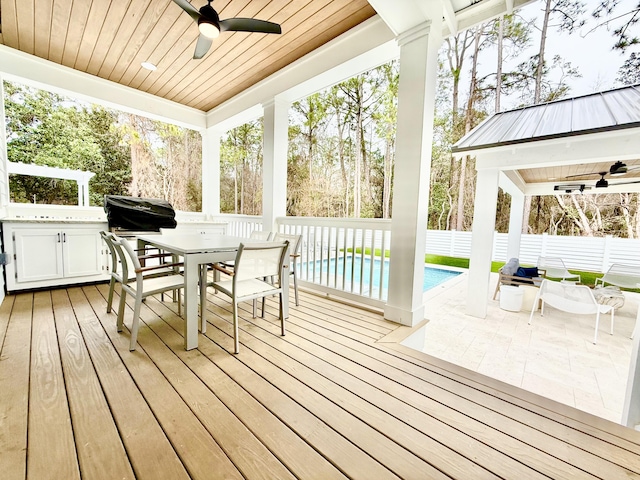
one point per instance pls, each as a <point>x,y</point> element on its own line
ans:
<point>110,39</point>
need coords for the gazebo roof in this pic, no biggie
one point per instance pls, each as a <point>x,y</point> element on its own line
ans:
<point>597,112</point>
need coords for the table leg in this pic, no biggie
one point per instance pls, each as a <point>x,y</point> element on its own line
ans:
<point>191,274</point>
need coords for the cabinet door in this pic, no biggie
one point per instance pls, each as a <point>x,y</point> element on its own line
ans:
<point>38,254</point>
<point>80,251</point>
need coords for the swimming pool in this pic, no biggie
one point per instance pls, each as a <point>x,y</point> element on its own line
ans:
<point>330,273</point>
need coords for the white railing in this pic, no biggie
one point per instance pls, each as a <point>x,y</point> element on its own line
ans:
<point>336,250</point>
<point>240,225</point>
<point>336,254</point>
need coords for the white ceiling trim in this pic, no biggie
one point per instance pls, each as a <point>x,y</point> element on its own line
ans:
<point>37,72</point>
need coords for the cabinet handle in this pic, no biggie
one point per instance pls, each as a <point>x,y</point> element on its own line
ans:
<point>64,237</point>
<point>58,237</point>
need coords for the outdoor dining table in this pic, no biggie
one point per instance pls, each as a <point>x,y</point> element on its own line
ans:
<point>196,250</point>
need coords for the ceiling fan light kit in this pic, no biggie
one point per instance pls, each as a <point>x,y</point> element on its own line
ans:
<point>208,29</point>
<point>210,25</point>
<point>618,169</point>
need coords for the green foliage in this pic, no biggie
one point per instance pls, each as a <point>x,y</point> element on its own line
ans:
<point>46,129</point>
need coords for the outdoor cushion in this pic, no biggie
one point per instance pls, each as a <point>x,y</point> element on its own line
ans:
<point>527,272</point>
<point>511,267</point>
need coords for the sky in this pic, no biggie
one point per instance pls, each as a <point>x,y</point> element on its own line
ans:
<point>590,51</point>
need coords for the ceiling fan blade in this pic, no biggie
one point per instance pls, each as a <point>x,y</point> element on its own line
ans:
<point>248,25</point>
<point>624,183</point>
<point>586,174</point>
<point>202,47</point>
<point>190,9</point>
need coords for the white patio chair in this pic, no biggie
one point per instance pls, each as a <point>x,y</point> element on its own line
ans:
<point>294,253</point>
<point>555,268</point>
<point>116,270</point>
<point>576,299</point>
<point>625,276</point>
<point>261,235</point>
<point>254,263</point>
<point>141,287</point>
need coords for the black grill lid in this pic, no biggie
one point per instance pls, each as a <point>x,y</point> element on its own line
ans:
<point>142,214</point>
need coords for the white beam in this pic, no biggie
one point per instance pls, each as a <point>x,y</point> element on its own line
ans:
<point>22,67</point>
<point>450,17</point>
<point>616,145</point>
<point>364,47</point>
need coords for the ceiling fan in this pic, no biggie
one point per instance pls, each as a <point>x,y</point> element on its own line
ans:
<point>617,169</point>
<point>210,25</point>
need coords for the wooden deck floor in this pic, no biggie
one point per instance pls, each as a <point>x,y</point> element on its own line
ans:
<point>333,398</point>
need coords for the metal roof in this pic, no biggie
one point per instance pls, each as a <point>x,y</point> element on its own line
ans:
<point>596,112</point>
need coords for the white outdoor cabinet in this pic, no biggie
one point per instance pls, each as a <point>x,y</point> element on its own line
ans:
<point>53,254</point>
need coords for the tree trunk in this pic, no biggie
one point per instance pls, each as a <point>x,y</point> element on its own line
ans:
<point>499,63</point>
<point>467,127</point>
<point>543,41</point>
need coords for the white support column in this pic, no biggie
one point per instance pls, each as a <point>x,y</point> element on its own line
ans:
<point>484,223</point>
<point>631,409</point>
<point>211,172</point>
<point>416,100</point>
<point>515,224</point>
<point>274,168</point>
<point>4,172</point>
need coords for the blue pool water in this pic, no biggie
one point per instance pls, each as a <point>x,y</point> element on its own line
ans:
<point>325,274</point>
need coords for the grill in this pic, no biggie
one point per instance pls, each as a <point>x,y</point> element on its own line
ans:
<point>130,216</point>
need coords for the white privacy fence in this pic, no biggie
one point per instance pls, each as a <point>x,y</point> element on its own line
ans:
<point>338,253</point>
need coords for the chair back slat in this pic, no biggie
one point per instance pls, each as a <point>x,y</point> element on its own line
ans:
<point>294,241</point>
<point>260,235</point>
<point>259,260</point>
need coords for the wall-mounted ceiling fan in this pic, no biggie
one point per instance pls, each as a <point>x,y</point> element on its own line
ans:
<point>210,25</point>
<point>617,169</point>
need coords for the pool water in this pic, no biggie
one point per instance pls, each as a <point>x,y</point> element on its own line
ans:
<point>326,275</point>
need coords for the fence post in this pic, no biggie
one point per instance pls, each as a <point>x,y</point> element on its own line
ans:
<point>608,240</point>
<point>543,247</point>
<point>452,244</point>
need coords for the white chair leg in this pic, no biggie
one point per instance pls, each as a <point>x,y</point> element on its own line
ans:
<point>135,324</point>
<point>613,312</point>
<point>112,286</point>
<point>281,311</point>
<point>120,320</point>
<point>595,335</point>
<point>295,287</point>
<point>236,343</point>
<point>203,298</point>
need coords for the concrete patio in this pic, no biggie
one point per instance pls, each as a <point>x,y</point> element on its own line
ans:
<point>553,357</point>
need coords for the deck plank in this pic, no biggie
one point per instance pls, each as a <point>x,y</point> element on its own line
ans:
<point>52,452</point>
<point>256,420</point>
<point>445,391</point>
<point>350,459</point>
<point>335,398</point>
<point>201,456</point>
<point>147,446</point>
<point>14,385</point>
<point>441,421</point>
<point>101,453</point>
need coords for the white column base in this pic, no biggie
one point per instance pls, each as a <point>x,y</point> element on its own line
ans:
<point>410,318</point>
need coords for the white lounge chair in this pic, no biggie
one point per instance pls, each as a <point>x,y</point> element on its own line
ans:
<point>624,276</point>
<point>555,268</point>
<point>577,299</point>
